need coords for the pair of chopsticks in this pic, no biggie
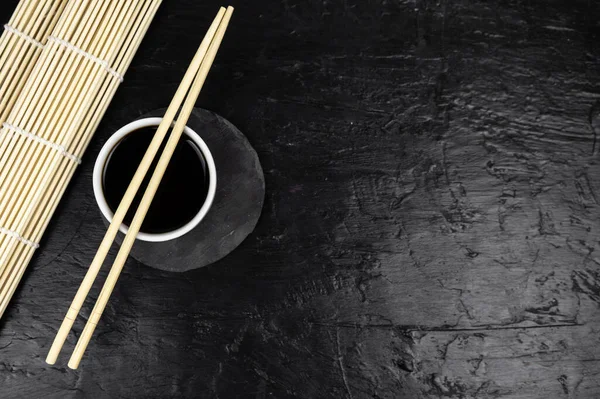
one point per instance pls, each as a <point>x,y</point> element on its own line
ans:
<point>191,86</point>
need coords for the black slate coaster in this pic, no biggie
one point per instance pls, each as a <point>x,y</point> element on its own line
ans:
<point>236,208</point>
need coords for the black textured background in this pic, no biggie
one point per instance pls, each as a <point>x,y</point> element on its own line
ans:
<point>431,222</point>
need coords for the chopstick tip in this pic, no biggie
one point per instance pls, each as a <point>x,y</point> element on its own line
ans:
<point>73,364</point>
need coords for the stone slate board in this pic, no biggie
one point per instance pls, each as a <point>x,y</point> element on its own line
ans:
<point>236,208</point>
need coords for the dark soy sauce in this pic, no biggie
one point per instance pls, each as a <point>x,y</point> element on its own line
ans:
<point>181,193</point>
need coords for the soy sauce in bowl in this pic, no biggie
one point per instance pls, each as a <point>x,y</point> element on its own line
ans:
<point>181,193</point>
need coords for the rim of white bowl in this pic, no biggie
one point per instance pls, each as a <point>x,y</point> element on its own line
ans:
<point>104,156</point>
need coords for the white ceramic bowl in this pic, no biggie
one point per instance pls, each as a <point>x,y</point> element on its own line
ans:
<point>104,157</point>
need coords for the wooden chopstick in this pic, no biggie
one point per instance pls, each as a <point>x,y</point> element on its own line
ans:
<point>134,186</point>
<point>142,210</point>
<point>197,71</point>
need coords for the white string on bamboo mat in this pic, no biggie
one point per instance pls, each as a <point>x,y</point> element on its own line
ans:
<point>57,147</point>
<point>23,36</point>
<point>87,55</point>
<point>16,235</point>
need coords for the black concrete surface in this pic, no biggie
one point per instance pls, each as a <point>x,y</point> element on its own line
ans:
<point>430,228</point>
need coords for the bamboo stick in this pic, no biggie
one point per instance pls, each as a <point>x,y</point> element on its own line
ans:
<point>149,193</point>
<point>130,193</point>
